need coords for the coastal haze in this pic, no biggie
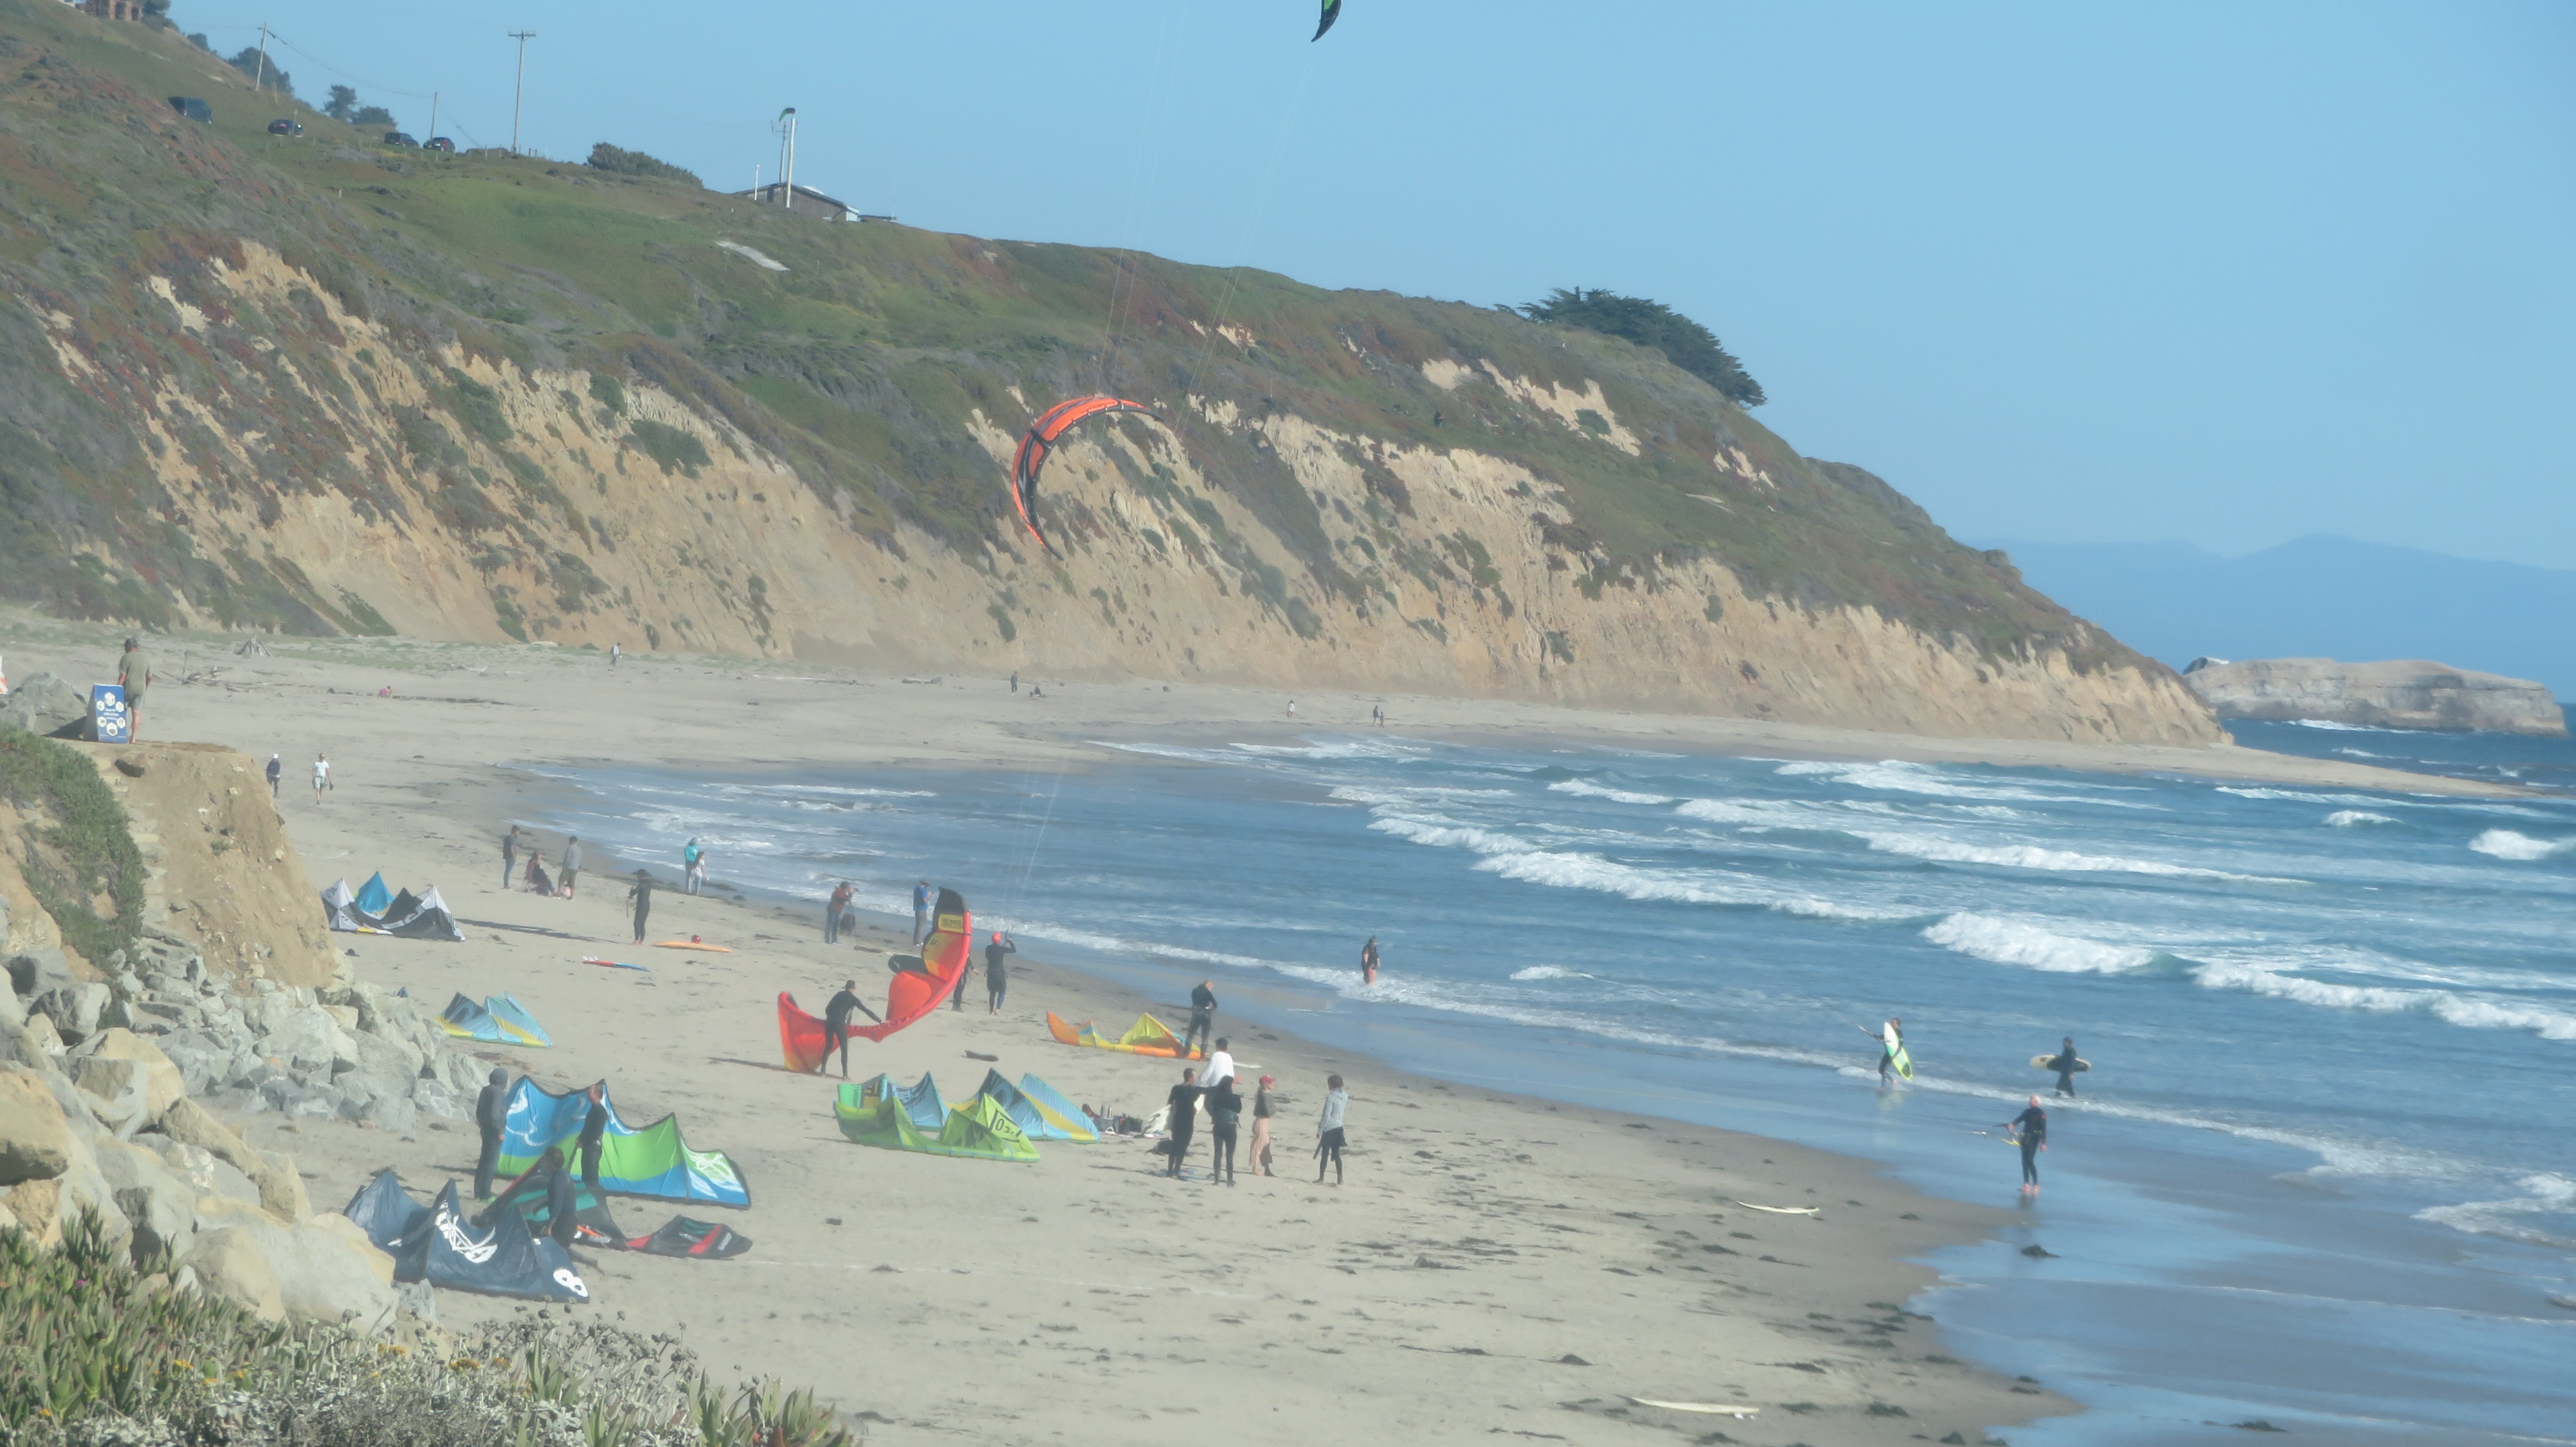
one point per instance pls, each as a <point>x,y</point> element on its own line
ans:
<point>1656,730</point>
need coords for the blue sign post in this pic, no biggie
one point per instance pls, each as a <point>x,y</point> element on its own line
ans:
<point>109,722</point>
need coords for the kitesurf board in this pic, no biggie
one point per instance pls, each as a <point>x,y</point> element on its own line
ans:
<point>1715,1408</point>
<point>691,945</point>
<point>1782,1210</point>
<point>612,964</point>
<point>1903,1062</point>
<point>2049,1062</point>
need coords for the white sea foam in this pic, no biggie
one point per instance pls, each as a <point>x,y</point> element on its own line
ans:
<point>2341,728</point>
<point>2549,1195</point>
<point>2348,818</point>
<point>2255,792</point>
<point>2506,844</point>
<point>1549,972</point>
<point>2360,754</point>
<point>2476,1012</point>
<point>1595,791</point>
<point>2032,856</point>
<point>1343,748</point>
<point>1591,871</point>
<point>2019,942</point>
<point>1449,834</point>
<point>1898,776</point>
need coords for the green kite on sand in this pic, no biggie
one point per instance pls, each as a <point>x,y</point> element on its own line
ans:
<point>978,1129</point>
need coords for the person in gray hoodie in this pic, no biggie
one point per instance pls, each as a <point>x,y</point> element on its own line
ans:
<point>1328,1146</point>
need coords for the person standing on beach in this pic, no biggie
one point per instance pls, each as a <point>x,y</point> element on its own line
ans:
<point>2064,1065</point>
<point>1377,715</point>
<point>1368,961</point>
<point>836,1024</point>
<point>1202,1017</point>
<point>1261,1126</point>
<point>920,911</point>
<point>1220,1066</point>
<point>134,674</point>
<point>563,1208</point>
<point>594,1133</point>
<point>1183,1118</point>
<point>1328,1129</point>
<point>997,971</point>
<point>834,909</point>
<point>1890,1038</point>
<point>509,856</point>
<point>2030,1131</point>
<point>1224,1108</point>
<point>693,868</point>
<point>640,895</point>
<point>616,651</point>
<point>1015,680</point>
<point>322,781</point>
<point>571,863</point>
<point>491,1117</point>
<point>276,771</point>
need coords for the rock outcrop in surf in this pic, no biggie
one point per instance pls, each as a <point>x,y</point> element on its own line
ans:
<point>2397,694</point>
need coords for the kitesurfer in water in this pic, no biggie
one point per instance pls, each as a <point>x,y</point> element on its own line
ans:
<point>1368,961</point>
<point>2030,1131</point>
<point>2064,1065</point>
<point>1890,1039</point>
<point>836,1024</point>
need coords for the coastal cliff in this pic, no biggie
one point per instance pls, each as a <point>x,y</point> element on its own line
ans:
<point>315,386</point>
<point>2398,694</point>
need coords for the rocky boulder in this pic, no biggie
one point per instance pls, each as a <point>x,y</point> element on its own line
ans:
<point>45,703</point>
<point>163,1083</point>
<point>75,1009</point>
<point>2399,694</point>
<point>307,1272</point>
<point>119,1092</point>
<point>33,972</point>
<point>35,1140</point>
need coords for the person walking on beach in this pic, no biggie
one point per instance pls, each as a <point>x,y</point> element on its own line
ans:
<point>1328,1129</point>
<point>322,781</point>
<point>1260,1153</point>
<point>1377,715</point>
<point>509,856</point>
<point>134,674</point>
<point>920,911</point>
<point>1015,680</point>
<point>491,1117</point>
<point>997,971</point>
<point>836,1024</point>
<point>571,863</point>
<point>1890,1038</point>
<point>1224,1108</point>
<point>1220,1065</point>
<point>2064,1065</point>
<point>640,895</point>
<point>594,1133</point>
<point>1368,961</point>
<point>693,868</point>
<point>1183,1117</point>
<point>276,771</point>
<point>616,651</point>
<point>2030,1130</point>
<point>833,910</point>
<point>1202,1016</point>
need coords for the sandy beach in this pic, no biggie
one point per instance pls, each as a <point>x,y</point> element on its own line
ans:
<point>1495,1264</point>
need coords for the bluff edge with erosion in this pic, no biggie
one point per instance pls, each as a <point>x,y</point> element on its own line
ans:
<point>314,385</point>
<point>2396,694</point>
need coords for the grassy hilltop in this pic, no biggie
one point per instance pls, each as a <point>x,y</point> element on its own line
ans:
<point>318,384</point>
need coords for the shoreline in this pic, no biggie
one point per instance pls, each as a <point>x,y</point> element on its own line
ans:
<point>1490,1249</point>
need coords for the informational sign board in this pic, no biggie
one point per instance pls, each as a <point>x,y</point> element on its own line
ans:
<point>109,722</point>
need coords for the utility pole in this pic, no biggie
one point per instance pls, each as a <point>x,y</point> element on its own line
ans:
<point>261,81</point>
<point>523,37</point>
<point>787,159</point>
<point>433,115</point>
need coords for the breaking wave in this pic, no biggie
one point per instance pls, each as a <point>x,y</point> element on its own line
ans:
<point>2015,942</point>
<point>2506,844</point>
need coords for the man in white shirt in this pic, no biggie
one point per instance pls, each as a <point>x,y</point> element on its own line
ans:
<point>1220,1066</point>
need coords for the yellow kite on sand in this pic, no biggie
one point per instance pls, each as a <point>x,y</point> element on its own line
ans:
<point>1148,1036</point>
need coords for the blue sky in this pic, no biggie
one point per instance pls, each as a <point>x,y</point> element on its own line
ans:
<point>2224,273</point>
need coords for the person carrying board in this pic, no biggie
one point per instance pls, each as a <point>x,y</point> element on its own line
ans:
<point>2065,1064</point>
<point>1891,1051</point>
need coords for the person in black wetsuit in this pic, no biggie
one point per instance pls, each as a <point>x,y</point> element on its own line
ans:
<point>836,1024</point>
<point>2030,1129</point>
<point>997,971</point>
<point>1202,1016</point>
<point>491,1117</point>
<point>1224,1108</point>
<point>594,1131</point>
<point>562,1219</point>
<point>1184,1117</point>
<point>640,894</point>
<point>2064,1065</point>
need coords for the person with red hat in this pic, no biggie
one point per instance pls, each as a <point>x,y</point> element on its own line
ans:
<point>997,975</point>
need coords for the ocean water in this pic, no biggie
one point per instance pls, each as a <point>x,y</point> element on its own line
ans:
<point>2320,1174</point>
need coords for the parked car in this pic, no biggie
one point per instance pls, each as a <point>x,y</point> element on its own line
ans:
<point>282,126</point>
<point>191,108</point>
<point>401,138</point>
<point>439,143</point>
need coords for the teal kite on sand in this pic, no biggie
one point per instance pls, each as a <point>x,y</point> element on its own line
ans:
<point>1036,1108</point>
<point>920,1100</point>
<point>499,1020</point>
<point>979,1130</point>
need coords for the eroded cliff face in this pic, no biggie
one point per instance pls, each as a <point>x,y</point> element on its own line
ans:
<point>2396,694</point>
<point>538,503</point>
<point>321,387</point>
